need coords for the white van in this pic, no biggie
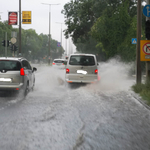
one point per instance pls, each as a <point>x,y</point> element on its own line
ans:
<point>81,68</point>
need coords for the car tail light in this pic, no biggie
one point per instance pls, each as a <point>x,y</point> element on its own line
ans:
<point>98,77</point>
<point>67,70</point>
<point>96,71</point>
<point>22,72</point>
<point>62,63</point>
<point>53,63</point>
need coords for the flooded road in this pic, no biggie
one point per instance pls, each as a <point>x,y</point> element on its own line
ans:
<point>103,116</point>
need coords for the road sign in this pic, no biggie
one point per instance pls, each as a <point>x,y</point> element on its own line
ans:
<point>146,10</point>
<point>26,17</point>
<point>145,50</point>
<point>58,44</point>
<point>13,40</point>
<point>134,40</point>
<point>12,18</point>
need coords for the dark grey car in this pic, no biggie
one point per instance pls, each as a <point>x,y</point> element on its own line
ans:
<point>16,74</point>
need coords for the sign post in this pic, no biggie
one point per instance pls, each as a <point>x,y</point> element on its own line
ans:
<point>138,63</point>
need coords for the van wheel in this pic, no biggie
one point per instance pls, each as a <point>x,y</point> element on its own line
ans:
<point>67,85</point>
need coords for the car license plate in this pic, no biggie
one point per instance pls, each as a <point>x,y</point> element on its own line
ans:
<point>5,80</point>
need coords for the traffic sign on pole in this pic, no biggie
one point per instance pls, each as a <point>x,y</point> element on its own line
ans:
<point>134,40</point>
<point>12,18</point>
<point>145,50</point>
<point>26,17</point>
<point>146,10</point>
<point>13,40</point>
<point>58,44</point>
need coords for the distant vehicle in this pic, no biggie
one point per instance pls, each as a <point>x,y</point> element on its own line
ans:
<point>16,74</point>
<point>82,68</point>
<point>59,63</point>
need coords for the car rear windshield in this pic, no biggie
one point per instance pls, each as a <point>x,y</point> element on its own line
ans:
<point>10,65</point>
<point>58,61</point>
<point>82,60</point>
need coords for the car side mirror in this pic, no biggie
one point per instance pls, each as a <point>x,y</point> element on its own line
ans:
<point>34,69</point>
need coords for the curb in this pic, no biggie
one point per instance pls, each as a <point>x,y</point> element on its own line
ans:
<point>143,102</point>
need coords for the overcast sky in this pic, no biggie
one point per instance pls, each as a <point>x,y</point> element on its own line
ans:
<point>40,15</point>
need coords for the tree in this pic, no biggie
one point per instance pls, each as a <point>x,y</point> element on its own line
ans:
<point>112,28</point>
<point>106,21</point>
<point>34,46</point>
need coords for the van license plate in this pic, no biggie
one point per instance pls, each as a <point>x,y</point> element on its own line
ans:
<point>81,71</point>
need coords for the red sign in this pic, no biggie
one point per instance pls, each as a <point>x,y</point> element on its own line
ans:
<point>146,48</point>
<point>12,18</point>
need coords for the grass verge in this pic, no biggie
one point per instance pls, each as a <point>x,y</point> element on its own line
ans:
<point>143,90</point>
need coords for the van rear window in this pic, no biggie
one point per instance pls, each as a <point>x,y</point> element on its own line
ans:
<point>10,65</point>
<point>82,60</point>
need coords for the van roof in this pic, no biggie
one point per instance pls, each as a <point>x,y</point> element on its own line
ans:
<point>83,54</point>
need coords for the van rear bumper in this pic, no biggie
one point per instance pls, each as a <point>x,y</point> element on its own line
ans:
<point>75,78</point>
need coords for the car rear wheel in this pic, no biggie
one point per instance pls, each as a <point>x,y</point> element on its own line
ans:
<point>33,86</point>
<point>26,90</point>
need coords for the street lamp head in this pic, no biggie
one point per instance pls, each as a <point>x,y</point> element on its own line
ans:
<point>49,4</point>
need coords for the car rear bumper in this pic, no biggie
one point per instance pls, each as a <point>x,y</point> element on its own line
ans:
<point>11,87</point>
<point>58,66</point>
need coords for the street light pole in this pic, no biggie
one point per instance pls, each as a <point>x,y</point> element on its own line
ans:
<point>49,30</point>
<point>60,33</point>
<point>0,15</point>
<point>19,27</point>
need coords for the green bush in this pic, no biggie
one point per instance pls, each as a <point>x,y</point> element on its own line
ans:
<point>138,88</point>
<point>143,90</point>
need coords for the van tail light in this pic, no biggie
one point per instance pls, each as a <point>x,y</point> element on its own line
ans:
<point>96,71</point>
<point>22,73</point>
<point>53,63</point>
<point>67,70</point>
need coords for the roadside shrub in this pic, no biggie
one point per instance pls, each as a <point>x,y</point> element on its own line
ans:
<point>143,90</point>
<point>138,88</point>
<point>146,95</point>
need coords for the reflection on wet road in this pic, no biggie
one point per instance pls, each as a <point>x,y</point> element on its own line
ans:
<point>103,116</point>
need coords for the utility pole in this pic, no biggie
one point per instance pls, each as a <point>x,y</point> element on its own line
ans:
<point>6,44</point>
<point>148,62</point>
<point>66,48</point>
<point>138,63</point>
<point>50,57</point>
<point>19,27</point>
